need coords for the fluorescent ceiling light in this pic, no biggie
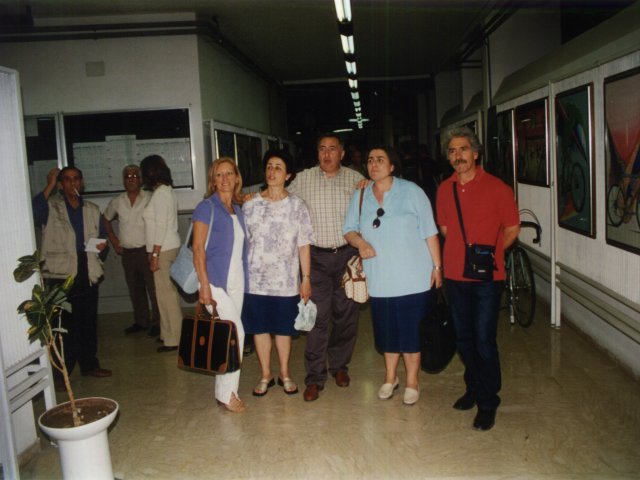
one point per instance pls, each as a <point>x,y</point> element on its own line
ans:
<point>351,68</point>
<point>347,44</point>
<point>355,95</point>
<point>343,10</point>
<point>353,83</point>
<point>340,130</point>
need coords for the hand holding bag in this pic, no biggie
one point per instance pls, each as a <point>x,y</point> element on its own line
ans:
<point>183,271</point>
<point>208,344</point>
<point>353,279</point>
<point>479,260</point>
<point>306,318</point>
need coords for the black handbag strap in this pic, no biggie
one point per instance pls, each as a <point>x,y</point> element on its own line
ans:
<point>455,196</point>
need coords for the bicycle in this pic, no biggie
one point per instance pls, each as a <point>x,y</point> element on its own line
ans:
<point>520,285</point>
<point>621,201</point>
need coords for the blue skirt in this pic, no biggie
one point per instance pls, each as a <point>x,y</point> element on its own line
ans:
<point>396,321</point>
<point>266,314</point>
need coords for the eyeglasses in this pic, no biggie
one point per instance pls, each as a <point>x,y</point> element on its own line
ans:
<point>132,175</point>
<point>379,213</point>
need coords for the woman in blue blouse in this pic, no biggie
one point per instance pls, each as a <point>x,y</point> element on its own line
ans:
<point>396,235</point>
<point>222,268</point>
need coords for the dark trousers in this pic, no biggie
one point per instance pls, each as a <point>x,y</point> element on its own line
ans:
<point>81,339</point>
<point>333,337</point>
<point>474,308</point>
<point>139,278</point>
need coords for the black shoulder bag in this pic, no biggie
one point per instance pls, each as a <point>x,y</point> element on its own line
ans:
<point>479,260</point>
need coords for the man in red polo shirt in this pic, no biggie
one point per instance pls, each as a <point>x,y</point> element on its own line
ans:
<point>490,217</point>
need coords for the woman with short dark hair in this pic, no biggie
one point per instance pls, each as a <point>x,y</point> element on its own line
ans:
<point>280,234</point>
<point>396,235</point>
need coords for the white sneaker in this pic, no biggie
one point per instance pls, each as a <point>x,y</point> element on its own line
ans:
<point>386,390</point>
<point>411,396</point>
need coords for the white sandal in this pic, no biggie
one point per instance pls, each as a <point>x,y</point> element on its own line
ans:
<point>263,387</point>
<point>289,386</point>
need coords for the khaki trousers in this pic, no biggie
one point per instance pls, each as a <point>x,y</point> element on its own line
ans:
<point>168,299</point>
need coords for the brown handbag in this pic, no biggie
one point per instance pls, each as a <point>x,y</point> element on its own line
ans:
<point>208,344</point>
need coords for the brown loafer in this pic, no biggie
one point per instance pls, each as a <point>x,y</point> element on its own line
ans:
<point>342,379</point>
<point>97,372</point>
<point>312,392</point>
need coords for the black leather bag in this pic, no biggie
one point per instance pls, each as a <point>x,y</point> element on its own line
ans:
<point>208,344</point>
<point>437,336</point>
<point>479,261</point>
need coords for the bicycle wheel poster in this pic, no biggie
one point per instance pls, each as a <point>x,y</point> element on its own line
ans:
<point>531,143</point>
<point>622,156</point>
<point>574,160</point>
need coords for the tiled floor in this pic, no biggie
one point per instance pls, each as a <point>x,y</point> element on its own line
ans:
<point>568,412</point>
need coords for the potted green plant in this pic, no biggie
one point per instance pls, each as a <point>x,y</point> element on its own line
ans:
<point>79,427</point>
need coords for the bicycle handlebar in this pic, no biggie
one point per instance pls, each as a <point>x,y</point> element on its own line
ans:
<point>534,225</point>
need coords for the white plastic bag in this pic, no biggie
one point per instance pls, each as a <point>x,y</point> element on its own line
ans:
<point>306,318</point>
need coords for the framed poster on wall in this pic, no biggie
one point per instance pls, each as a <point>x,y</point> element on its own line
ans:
<point>532,153</point>
<point>622,159</point>
<point>574,160</point>
<point>499,159</point>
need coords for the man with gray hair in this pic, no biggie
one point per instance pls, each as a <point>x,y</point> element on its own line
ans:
<point>130,244</point>
<point>475,208</point>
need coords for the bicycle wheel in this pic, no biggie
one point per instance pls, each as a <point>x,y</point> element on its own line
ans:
<point>578,187</point>
<point>615,205</point>
<point>524,288</point>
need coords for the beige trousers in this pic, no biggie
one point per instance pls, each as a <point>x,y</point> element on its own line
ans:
<point>168,299</point>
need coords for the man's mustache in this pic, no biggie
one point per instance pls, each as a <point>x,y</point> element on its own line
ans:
<point>459,161</point>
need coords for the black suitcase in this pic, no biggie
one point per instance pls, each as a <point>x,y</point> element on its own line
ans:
<point>208,344</point>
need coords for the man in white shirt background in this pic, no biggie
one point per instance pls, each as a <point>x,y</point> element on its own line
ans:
<point>130,243</point>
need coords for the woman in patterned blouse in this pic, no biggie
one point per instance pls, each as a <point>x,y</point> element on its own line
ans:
<point>280,233</point>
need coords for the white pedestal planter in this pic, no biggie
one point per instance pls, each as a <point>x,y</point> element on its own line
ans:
<point>84,450</point>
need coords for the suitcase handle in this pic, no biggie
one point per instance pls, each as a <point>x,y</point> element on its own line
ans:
<point>201,311</point>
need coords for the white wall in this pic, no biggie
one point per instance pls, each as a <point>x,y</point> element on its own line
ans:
<point>148,72</point>
<point>143,72</point>
<point>523,38</point>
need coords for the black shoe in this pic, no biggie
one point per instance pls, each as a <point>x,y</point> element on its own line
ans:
<point>465,402</point>
<point>167,349</point>
<point>485,420</point>
<point>135,328</point>
<point>154,331</point>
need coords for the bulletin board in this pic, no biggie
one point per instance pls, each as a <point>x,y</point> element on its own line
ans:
<point>102,144</point>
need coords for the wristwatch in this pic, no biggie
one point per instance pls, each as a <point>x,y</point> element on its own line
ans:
<point>155,254</point>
